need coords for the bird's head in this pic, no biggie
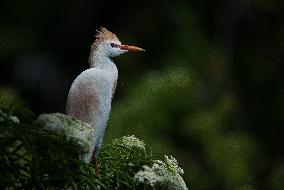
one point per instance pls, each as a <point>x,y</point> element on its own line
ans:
<point>108,45</point>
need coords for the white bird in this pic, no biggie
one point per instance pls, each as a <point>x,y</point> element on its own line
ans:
<point>90,95</point>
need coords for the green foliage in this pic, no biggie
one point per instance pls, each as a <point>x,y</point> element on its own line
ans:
<point>33,157</point>
<point>151,109</point>
<point>11,104</point>
<point>120,160</point>
<point>168,110</point>
<point>126,163</point>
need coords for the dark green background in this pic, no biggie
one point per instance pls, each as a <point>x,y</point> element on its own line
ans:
<point>208,89</point>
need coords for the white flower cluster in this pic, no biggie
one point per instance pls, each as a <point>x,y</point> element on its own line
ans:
<point>148,176</point>
<point>163,174</point>
<point>173,165</point>
<point>71,128</point>
<point>132,141</point>
<point>12,118</point>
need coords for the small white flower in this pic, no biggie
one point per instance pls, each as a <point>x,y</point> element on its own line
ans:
<point>14,119</point>
<point>132,141</point>
<point>147,176</point>
<point>167,173</point>
<point>173,164</point>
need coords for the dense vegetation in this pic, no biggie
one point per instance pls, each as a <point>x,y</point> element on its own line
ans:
<point>34,157</point>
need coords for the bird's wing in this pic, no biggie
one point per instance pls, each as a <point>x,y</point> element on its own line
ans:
<point>82,101</point>
<point>90,95</point>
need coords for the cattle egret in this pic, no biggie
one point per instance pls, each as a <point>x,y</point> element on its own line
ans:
<point>91,93</point>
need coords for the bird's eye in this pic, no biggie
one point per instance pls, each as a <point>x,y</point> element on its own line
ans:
<point>114,45</point>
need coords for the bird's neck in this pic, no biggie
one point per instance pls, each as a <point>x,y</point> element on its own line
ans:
<point>98,60</point>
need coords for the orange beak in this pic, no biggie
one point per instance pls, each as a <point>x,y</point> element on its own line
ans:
<point>130,48</point>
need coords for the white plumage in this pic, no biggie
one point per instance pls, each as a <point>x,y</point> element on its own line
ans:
<point>90,95</point>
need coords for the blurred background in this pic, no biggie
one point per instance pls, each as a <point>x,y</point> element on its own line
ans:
<point>208,90</point>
